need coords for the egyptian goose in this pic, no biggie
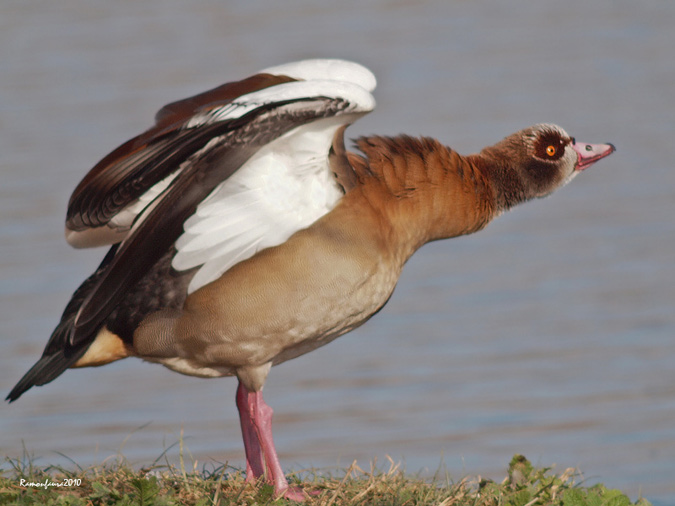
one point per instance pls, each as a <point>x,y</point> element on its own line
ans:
<point>243,234</point>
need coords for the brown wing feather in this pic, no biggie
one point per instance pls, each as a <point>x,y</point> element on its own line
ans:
<point>181,110</point>
<point>127,172</point>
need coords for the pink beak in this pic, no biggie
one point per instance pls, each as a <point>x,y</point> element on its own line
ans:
<point>588,154</point>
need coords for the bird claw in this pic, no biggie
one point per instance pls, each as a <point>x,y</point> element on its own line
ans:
<point>297,494</point>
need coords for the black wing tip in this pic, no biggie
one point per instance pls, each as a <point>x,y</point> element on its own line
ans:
<point>19,389</point>
<point>60,353</point>
<point>37,375</point>
<point>58,356</point>
<point>45,370</point>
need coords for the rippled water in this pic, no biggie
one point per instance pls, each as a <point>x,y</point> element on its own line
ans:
<point>551,333</point>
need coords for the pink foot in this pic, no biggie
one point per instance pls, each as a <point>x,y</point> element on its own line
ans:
<point>298,494</point>
<point>294,494</point>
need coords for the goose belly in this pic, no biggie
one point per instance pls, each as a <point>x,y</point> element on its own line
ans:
<point>282,303</point>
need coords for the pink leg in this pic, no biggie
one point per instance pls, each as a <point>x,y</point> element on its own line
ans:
<point>254,465</point>
<point>256,427</point>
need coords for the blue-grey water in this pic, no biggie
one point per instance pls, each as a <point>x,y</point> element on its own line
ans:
<point>551,333</point>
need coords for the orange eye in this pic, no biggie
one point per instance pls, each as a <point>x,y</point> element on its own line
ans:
<point>550,150</point>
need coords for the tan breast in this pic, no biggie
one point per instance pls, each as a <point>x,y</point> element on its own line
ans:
<point>283,302</point>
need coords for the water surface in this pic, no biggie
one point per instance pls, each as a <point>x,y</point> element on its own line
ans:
<point>551,333</point>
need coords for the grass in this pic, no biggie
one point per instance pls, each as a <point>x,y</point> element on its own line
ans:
<point>118,484</point>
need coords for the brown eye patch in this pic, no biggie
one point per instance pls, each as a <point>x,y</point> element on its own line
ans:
<point>550,146</point>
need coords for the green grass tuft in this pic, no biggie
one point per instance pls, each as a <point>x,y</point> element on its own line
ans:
<point>23,483</point>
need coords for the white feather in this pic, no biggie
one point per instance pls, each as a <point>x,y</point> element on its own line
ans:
<point>283,188</point>
<point>286,185</point>
<point>326,69</point>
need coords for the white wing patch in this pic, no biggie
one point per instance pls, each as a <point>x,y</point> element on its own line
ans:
<point>327,69</point>
<point>283,188</point>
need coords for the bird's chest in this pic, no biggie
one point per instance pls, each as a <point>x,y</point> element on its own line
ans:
<point>294,298</point>
<point>330,312</point>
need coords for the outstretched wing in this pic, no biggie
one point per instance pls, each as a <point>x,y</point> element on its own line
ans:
<point>105,204</point>
<point>268,137</point>
<point>220,175</point>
